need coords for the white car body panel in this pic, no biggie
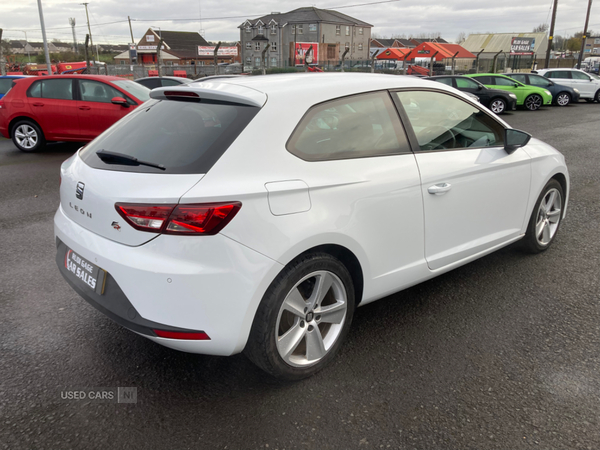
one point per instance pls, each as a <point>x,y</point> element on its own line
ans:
<point>586,88</point>
<point>378,208</point>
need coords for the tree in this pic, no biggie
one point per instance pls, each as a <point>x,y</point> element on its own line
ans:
<point>541,28</point>
<point>462,37</point>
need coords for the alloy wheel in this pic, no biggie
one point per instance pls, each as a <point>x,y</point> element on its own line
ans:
<point>311,318</point>
<point>548,217</point>
<point>26,136</point>
<point>498,106</point>
<point>563,99</point>
<point>533,102</point>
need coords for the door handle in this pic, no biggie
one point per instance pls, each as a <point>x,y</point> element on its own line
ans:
<point>85,108</point>
<point>439,189</point>
<point>38,104</point>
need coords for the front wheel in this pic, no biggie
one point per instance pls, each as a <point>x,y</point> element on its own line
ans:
<point>563,99</point>
<point>597,96</point>
<point>545,219</point>
<point>303,318</point>
<point>533,102</point>
<point>498,106</point>
<point>27,136</point>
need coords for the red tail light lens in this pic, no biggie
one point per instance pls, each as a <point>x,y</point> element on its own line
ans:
<point>190,336</point>
<point>196,219</point>
<point>1,104</point>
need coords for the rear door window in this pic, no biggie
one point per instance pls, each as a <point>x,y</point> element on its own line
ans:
<point>500,81</point>
<point>466,83</point>
<point>447,81</point>
<point>519,77</point>
<point>60,89</point>
<point>485,80</point>
<point>559,74</point>
<point>183,137</point>
<point>358,126</point>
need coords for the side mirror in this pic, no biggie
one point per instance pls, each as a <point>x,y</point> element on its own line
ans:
<point>514,139</point>
<point>479,87</point>
<point>120,101</point>
<point>516,84</point>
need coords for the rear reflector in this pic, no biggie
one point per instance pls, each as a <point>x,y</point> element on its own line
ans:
<point>191,336</point>
<point>194,219</point>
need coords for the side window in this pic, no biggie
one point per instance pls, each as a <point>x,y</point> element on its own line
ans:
<point>56,89</point>
<point>150,83</point>
<point>441,121</point>
<point>447,81</point>
<point>500,81</point>
<point>466,83</point>
<point>559,74</point>
<point>580,76</point>
<point>485,80</point>
<point>539,81</point>
<point>167,82</point>
<point>94,91</point>
<point>359,126</point>
<point>519,77</point>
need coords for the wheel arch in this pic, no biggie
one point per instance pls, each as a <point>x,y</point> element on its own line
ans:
<point>15,120</point>
<point>562,180</point>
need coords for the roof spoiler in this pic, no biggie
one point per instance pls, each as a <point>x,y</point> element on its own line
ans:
<point>218,91</point>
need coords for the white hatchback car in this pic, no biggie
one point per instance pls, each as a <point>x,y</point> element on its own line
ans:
<point>587,84</point>
<point>255,213</point>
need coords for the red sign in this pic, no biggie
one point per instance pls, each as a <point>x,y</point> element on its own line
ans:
<point>306,52</point>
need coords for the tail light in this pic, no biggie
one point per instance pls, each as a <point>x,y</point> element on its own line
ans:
<point>194,219</point>
<point>1,104</point>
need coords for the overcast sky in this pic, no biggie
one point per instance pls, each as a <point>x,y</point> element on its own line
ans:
<point>220,18</point>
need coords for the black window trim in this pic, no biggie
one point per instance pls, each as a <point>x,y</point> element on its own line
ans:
<point>412,137</point>
<point>287,144</point>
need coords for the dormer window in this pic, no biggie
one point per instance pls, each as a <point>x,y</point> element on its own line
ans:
<point>261,29</point>
<point>273,29</point>
<point>248,29</point>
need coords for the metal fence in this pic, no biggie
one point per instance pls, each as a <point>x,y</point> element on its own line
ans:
<point>138,71</point>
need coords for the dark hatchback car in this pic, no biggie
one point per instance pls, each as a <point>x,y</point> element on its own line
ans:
<point>561,95</point>
<point>496,100</point>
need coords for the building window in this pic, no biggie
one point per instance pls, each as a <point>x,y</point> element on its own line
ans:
<point>360,30</point>
<point>293,29</point>
<point>360,47</point>
<point>248,60</point>
<point>273,29</point>
<point>347,31</point>
<point>273,46</point>
<point>338,30</point>
<point>248,45</point>
<point>257,46</point>
<point>312,27</point>
<point>331,51</point>
<point>299,28</point>
<point>273,62</point>
<point>122,62</point>
<point>248,29</point>
<point>257,61</point>
<point>261,30</point>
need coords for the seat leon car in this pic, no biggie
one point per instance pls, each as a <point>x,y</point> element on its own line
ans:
<point>65,108</point>
<point>254,214</point>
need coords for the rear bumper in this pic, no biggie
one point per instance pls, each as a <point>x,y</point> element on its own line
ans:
<point>210,283</point>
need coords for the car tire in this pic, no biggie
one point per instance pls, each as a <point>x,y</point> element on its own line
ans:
<point>545,218</point>
<point>533,102</point>
<point>28,136</point>
<point>589,100</point>
<point>597,96</point>
<point>563,99</point>
<point>298,328</point>
<point>498,105</point>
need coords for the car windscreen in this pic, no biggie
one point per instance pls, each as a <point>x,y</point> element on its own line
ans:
<point>181,136</point>
<point>138,91</point>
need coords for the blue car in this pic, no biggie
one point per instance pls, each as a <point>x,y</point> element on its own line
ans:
<point>6,82</point>
<point>561,95</point>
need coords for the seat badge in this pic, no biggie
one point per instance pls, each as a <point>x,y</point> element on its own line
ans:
<point>116,226</point>
<point>79,190</point>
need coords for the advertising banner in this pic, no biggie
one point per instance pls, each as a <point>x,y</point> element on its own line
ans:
<point>223,51</point>
<point>306,52</point>
<point>522,46</point>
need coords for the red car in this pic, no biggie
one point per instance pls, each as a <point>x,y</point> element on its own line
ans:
<point>65,108</point>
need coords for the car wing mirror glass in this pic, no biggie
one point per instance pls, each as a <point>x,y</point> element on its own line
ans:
<point>516,84</point>
<point>514,139</point>
<point>119,101</point>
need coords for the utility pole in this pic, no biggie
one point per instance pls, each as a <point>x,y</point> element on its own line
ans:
<point>41,11</point>
<point>87,55</point>
<point>585,31</point>
<point>551,35</point>
<point>262,59</point>
<point>159,56</point>
<point>132,42</point>
<point>72,23</point>
<point>1,61</point>
<point>89,29</point>
<point>216,52</point>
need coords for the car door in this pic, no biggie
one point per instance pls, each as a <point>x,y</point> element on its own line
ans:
<point>561,77</point>
<point>583,82</point>
<point>95,110</point>
<point>54,108</point>
<point>475,194</point>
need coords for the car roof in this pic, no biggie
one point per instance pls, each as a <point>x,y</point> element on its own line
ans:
<point>185,80</point>
<point>82,77</point>
<point>304,88</point>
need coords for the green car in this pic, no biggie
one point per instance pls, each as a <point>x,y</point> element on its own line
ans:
<point>531,96</point>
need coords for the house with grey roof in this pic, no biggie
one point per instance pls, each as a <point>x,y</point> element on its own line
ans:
<point>304,35</point>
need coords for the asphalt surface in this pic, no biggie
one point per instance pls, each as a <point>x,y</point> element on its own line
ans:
<point>503,353</point>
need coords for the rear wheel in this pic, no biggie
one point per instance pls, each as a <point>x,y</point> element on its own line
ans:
<point>303,318</point>
<point>498,106</point>
<point>545,219</point>
<point>597,96</point>
<point>563,99</point>
<point>533,102</point>
<point>27,136</point>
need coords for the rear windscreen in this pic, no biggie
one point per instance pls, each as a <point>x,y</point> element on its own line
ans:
<point>184,137</point>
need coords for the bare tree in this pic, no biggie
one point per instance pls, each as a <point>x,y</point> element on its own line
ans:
<point>462,37</point>
<point>541,28</point>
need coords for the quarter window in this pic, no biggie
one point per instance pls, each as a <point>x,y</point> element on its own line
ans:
<point>56,89</point>
<point>359,126</point>
<point>443,122</point>
<point>447,81</point>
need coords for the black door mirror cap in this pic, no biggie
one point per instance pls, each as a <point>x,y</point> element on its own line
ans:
<point>514,139</point>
